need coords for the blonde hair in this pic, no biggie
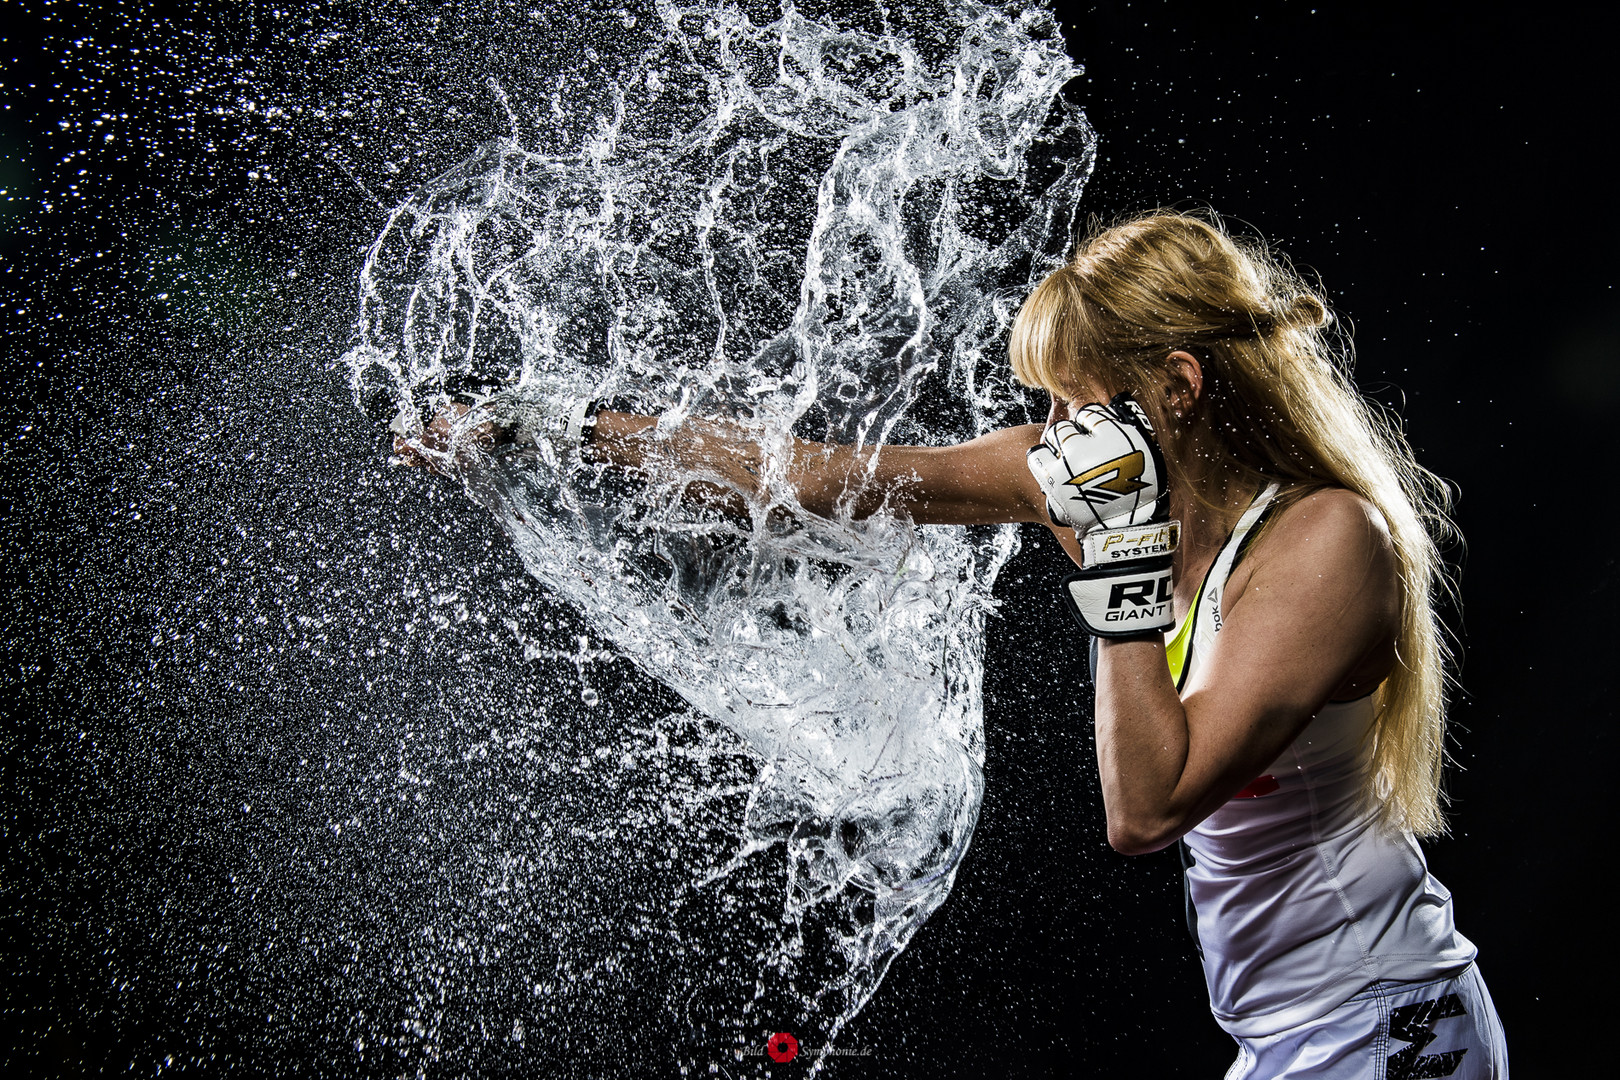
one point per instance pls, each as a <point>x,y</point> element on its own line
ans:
<point>1279,399</point>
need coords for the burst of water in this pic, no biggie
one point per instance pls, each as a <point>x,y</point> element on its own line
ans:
<point>813,231</point>
<point>309,776</point>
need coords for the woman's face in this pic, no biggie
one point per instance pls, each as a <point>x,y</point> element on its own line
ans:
<point>1069,399</point>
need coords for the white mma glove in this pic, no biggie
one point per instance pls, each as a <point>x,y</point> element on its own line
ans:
<point>1104,476</point>
<point>545,418</point>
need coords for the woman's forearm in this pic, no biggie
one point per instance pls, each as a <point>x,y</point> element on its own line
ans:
<point>820,474</point>
<point>1143,745</point>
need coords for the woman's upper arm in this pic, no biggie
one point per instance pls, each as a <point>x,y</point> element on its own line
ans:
<point>981,481</point>
<point>1315,609</point>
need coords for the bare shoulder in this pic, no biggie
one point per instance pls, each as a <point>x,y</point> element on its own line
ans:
<point>1332,517</point>
<point>1330,539</point>
<point>1313,611</point>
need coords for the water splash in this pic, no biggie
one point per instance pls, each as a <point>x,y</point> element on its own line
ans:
<point>812,230</point>
<point>307,770</point>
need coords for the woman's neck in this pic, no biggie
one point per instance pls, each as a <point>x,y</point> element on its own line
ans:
<point>1208,501</point>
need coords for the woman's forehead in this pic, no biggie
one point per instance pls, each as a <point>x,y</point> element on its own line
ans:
<point>1073,384</point>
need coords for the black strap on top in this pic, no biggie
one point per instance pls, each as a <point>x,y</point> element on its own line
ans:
<point>1187,863</point>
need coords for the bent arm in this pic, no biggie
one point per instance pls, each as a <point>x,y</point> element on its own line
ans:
<point>1312,613</point>
<point>981,481</point>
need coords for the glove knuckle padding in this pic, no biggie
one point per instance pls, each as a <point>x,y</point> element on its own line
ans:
<point>1103,469</point>
<point>1103,475</point>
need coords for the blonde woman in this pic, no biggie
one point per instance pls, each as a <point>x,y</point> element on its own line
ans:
<point>1256,569</point>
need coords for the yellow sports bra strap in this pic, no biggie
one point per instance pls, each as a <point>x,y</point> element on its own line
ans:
<point>1175,650</point>
<point>1178,650</point>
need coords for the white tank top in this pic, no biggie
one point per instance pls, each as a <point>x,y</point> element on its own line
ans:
<point>1302,899</point>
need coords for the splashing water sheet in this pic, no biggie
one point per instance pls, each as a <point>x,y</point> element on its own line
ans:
<point>693,777</point>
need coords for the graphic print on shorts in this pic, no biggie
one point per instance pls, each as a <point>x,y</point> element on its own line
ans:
<point>1415,1024</point>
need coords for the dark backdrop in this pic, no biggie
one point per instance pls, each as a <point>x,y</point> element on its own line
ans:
<point>1447,178</point>
<point>1438,170</point>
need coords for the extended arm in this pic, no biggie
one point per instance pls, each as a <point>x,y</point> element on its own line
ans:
<point>1310,616</point>
<point>980,481</point>
<point>976,482</point>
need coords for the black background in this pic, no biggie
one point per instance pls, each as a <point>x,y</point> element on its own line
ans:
<point>1435,167</point>
<point>1446,174</point>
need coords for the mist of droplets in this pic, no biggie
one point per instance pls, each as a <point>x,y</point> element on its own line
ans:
<point>370,781</point>
<point>793,226</point>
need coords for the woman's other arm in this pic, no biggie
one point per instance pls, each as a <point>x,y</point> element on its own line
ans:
<point>1311,616</point>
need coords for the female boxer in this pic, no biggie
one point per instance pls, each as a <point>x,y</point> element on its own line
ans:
<point>1256,567</point>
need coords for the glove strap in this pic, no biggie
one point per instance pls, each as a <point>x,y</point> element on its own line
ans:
<point>1108,547</point>
<point>562,425</point>
<point>581,418</point>
<point>1127,600</point>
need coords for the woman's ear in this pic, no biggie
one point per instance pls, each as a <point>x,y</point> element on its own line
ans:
<point>1185,385</point>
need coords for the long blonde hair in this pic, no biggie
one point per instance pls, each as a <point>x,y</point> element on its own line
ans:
<point>1281,404</point>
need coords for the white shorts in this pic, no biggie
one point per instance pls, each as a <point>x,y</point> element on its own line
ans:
<point>1390,1031</point>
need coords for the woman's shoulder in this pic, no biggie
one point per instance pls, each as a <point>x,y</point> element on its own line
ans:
<point>1329,513</point>
<point>1324,577</point>
<point>1319,529</point>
